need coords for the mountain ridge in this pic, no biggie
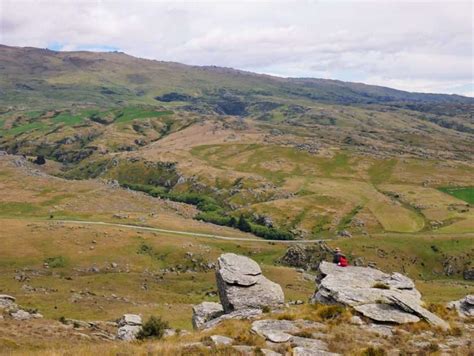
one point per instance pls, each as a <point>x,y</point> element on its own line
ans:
<point>47,70</point>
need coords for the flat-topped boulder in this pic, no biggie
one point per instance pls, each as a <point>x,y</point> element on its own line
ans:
<point>242,285</point>
<point>377,295</point>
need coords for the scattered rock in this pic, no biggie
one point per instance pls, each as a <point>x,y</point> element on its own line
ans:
<point>268,352</point>
<point>241,284</point>
<point>6,301</point>
<point>204,312</point>
<point>464,306</point>
<point>344,233</point>
<point>238,314</point>
<point>129,326</point>
<point>244,350</point>
<point>21,315</point>
<point>356,320</point>
<point>219,340</point>
<point>304,351</point>
<point>468,274</point>
<point>313,344</point>
<point>264,327</point>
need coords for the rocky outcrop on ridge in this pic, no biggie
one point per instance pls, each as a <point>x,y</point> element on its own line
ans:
<point>379,296</point>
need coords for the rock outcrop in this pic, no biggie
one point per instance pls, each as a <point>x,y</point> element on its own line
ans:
<point>242,285</point>
<point>243,292</point>
<point>204,312</point>
<point>377,295</point>
<point>464,306</point>
<point>129,327</point>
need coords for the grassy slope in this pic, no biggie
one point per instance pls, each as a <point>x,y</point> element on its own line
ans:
<point>333,187</point>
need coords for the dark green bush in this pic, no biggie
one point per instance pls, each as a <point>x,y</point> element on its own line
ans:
<point>270,233</point>
<point>215,218</point>
<point>154,328</point>
<point>243,224</point>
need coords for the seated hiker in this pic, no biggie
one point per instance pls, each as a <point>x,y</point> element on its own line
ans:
<point>339,258</point>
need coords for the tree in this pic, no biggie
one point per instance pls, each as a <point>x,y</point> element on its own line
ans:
<point>232,222</point>
<point>243,224</point>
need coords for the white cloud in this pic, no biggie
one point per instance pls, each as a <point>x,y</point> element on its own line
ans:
<point>425,46</point>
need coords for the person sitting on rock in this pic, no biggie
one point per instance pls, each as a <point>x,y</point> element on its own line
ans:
<point>339,258</point>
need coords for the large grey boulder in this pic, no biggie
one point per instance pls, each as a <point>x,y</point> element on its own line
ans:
<point>464,306</point>
<point>129,327</point>
<point>241,284</point>
<point>128,332</point>
<point>377,295</point>
<point>204,312</point>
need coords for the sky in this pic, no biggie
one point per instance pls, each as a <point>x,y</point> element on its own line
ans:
<point>424,46</point>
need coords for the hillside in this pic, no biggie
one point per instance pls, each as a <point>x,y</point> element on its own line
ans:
<point>307,154</point>
<point>123,178</point>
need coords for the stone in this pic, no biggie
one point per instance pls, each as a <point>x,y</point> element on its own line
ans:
<point>128,332</point>
<point>263,327</point>
<point>238,314</point>
<point>386,313</point>
<point>384,330</point>
<point>268,352</point>
<point>379,296</point>
<point>356,320</point>
<point>244,350</point>
<point>21,315</point>
<point>130,319</point>
<point>277,336</point>
<point>219,340</point>
<point>129,326</point>
<point>464,306</point>
<point>241,284</point>
<point>204,312</point>
<point>169,332</point>
<point>412,306</point>
<point>468,274</point>
<point>304,351</point>
<point>6,300</point>
<point>314,344</point>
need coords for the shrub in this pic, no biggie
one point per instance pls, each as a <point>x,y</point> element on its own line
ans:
<point>329,312</point>
<point>380,285</point>
<point>154,328</point>
<point>56,262</point>
<point>243,224</point>
<point>270,233</point>
<point>214,218</point>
